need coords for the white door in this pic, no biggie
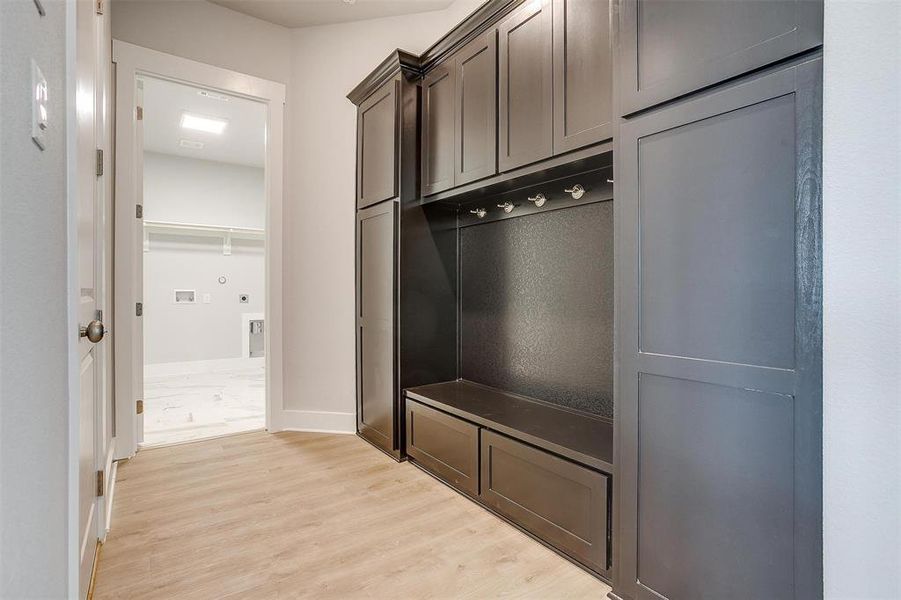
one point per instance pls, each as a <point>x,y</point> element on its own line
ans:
<point>89,202</point>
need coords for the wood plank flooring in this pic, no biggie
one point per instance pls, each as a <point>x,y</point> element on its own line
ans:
<point>303,515</point>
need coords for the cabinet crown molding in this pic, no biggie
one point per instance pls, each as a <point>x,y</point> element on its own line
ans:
<point>479,21</point>
<point>399,61</point>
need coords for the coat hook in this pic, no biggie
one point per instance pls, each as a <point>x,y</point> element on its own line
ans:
<point>538,200</point>
<point>576,191</point>
<point>479,212</point>
<point>507,206</point>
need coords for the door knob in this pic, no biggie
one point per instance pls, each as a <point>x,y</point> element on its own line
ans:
<point>94,331</point>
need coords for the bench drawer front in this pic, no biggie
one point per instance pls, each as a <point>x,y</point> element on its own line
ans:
<point>558,501</point>
<point>445,445</point>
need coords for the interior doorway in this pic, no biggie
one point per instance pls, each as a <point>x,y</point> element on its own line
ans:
<point>198,202</point>
<point>204,217</point>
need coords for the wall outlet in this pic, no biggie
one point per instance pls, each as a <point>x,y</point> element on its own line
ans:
<point>40,120</point>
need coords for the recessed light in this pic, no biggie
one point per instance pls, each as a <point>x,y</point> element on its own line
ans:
<point>192,144</point>
<point>206,124</point>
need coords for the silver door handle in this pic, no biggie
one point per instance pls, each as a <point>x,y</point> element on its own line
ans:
<point>94,331</point>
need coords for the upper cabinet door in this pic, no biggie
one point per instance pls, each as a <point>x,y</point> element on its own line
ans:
<point>583,74</point>
<point>526,98</point>
<point>438,130</point>
<point>377,143</point>
<point>476,110</point>
<point>672,48</point>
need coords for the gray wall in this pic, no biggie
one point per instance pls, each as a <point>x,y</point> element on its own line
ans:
<point>862,300</point>
<point>34,442</point>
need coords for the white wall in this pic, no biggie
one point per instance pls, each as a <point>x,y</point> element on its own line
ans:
<point>207,33</point>
<point>34,331</point>
<point>199,191</point>
<point>862,300</point>
<point>327,62</point>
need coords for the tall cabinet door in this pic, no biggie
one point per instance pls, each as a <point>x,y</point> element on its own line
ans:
<point>376,350</point>
<point>526,96</point>
<point>583,74</point>
<point>720,405</point>
<point>438,93</point>
<point>476,110</point>
<point>377,146</point>
<point>669,49</point>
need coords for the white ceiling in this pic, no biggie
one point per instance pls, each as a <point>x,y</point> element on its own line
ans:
<point>304,13</point>
<point>242,142</point>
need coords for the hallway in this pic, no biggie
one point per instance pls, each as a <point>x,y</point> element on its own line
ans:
<point>297,515</point>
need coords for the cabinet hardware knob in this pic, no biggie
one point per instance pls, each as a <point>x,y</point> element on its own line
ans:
<point>538,200</point>
<point>609,181</point>
<point>479,212</point>
<point>507,206</point>
<point>576,191</point>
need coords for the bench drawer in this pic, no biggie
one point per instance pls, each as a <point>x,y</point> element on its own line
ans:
<point>556,500</point>
<point>445,445</point>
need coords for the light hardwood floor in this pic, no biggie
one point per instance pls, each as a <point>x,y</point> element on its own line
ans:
<point>303,515</point>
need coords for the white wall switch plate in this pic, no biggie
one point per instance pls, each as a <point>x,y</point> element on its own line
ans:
<point>39,115</point>
<point>207,298</point>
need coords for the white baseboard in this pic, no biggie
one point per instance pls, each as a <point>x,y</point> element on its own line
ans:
<point>315,421</point>
<point>200,366</point>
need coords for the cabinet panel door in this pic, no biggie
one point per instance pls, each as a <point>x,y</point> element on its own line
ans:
<point>583,74</point>
<point>557,500</point>
<point>445,445</point>
<point>438,130</point>
<point>377,146</point>
<point>526,98</point>
<point>672,48</point>
<point>376,285</point>
<point>476,110</point>
<point>720,398</point>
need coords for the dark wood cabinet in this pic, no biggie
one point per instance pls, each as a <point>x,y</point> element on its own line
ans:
<point>559,501</point>
<point>438,98</point>
<point>476,110</point>
<point>445,445</point>
<point>376,284</point>
<point>377,146</point>
<point>583,74</point>
<point>669,49</point>
<point>719,406</point>
<point>526,90</point>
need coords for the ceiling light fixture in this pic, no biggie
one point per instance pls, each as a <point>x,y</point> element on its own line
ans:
<point>350,1</point>
<point>205,124</point>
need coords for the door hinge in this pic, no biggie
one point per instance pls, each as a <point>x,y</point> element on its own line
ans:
<point>139,407</point>
<point>139,309</point>
<point>100,483</point>
<point>99,7</point>
<point>139,113</point>
<point>139,211</point>
<point>99,168</point>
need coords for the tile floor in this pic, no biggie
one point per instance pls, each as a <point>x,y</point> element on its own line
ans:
<point>192,401</point>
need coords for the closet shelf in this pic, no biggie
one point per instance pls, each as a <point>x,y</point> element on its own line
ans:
<point>578,436</point>
<point>227,233</point>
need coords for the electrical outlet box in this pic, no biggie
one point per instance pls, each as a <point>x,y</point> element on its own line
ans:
<point>185,297</point>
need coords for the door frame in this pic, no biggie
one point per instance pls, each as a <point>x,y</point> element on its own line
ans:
<point>132,61</point>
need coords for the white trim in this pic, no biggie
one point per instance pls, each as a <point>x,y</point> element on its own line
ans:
<point>246,318</point>
<point>132,61</point>
<point>112,473</point>
<point>318,421</point>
